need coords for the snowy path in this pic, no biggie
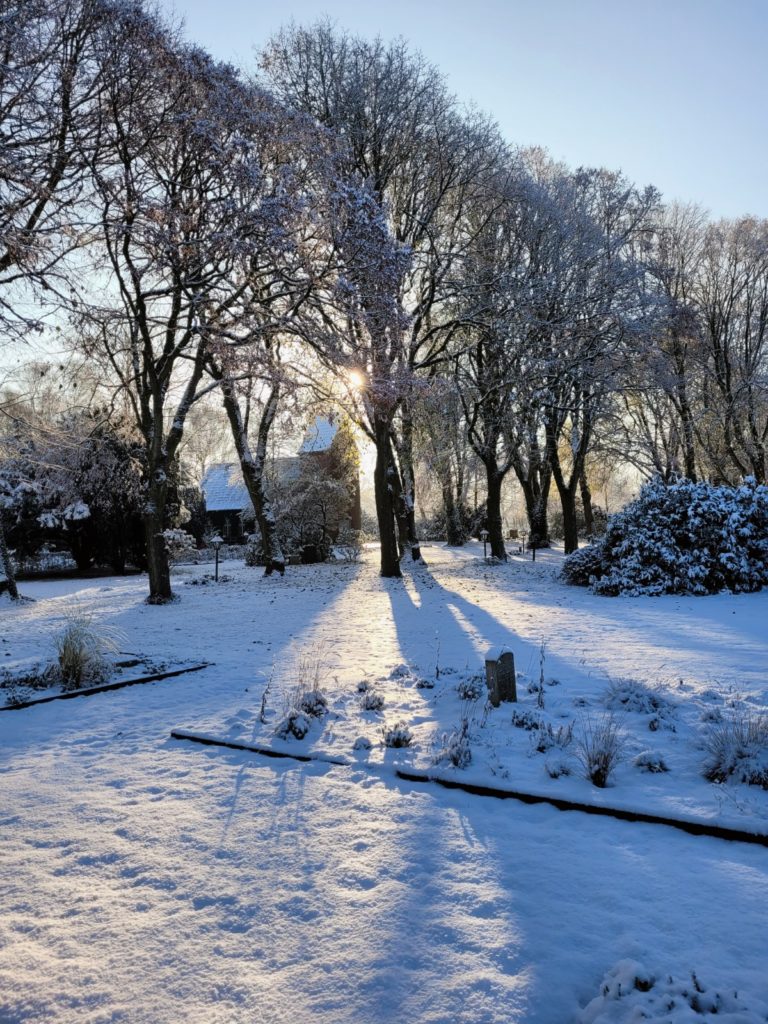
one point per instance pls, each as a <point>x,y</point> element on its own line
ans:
<point>145,881</point>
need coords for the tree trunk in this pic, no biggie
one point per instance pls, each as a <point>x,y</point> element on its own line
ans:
<point>252,468</point>
<point>399,503</point>
<point>454,530</point>
<point>539,521</point>
<point>567,488</point>
<point>493,511</point>
<point>384,489</point>
<point>534,475</point>
<point>157,554</point>
<point>7,566</point>
<point>570,520</point>
<point>689,439</point>
<point>536,493</point>
<point>586,502</point>
<point>408,479</point>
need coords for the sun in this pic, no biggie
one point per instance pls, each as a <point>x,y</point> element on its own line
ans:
<point>357,379</point>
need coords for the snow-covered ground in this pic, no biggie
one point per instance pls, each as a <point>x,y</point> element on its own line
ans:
<point>144,879</point>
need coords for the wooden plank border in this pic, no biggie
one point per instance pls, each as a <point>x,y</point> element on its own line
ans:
<point>254,748</point>
<point>696,828</point>
<point>105,687</point>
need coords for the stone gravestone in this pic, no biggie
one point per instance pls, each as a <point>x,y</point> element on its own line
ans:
<point>500,675</point>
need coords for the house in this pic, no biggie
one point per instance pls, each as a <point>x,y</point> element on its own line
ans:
<point>228,508</point>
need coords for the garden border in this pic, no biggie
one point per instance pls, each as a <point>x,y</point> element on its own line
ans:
<point>254,748</point>
<point>104,687</point>
<point>696,828</point>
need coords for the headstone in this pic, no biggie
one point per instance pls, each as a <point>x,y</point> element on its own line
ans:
<point>500,676</point>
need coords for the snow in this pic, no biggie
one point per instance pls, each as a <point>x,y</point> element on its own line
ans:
<point>147,879</point>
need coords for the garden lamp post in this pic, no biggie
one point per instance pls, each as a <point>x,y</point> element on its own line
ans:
<point>484,539</point>
<point>217,541</point>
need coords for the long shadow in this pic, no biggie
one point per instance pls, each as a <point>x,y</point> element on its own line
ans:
<point>433,616</point>
<point>670,627</point>
<point>702,628</point>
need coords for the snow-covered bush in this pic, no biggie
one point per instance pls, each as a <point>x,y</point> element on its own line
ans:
<point>179,544</point>
<point>455,748</point>
<point>303,707</point>
<point>472,687</point>
<point>558,767</point>
<point>737,748</point>
<point>629,992</point>
<point>680,538</point>
<point>598,748</point>
<point>397,735</point>
<point>83,650</point>
<point>632,695</point>
<point>546,737</point>
<point>253,556</point>
<point>307,700</point>
<point>349,545</point>
<point>293,723</point>
<point>584,565</point>
<point>650,761</point>
<point>525,719</point>
<point>371,700</point>
<point>312,703</point>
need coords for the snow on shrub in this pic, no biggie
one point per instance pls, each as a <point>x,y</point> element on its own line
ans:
<point>584,565</point>
<point>555,769</point>
<point>737,748</point>
<point>304,705</point>
<point>371,700</point>
<point>83,650</point>
<point>629,993</point>
<point>631,695</point>
<point>349,545</point>
<point>472,687</point>
<point>179,544</point>
<point>455,748</point>
<point>599,748</point>
<point>680,538</point>
<point>397,735</point>
<point>650,761</point>
<point>525,719</point>
<point>546,737</point>
<point>293,723</point>
<point>307,701</point>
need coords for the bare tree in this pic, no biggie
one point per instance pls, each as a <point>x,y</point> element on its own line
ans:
<point>446,452</point>
<point>423,161</point>
<point>732,297</point>
<point>47,85</point>
<point>591,314</point>
<point>181,199</point>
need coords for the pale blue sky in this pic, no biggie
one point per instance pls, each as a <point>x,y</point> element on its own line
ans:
<point>674,92</point>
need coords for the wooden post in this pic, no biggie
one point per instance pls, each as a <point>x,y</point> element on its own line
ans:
<point>500,676</point>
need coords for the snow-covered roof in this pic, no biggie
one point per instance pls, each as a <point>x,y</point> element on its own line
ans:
<point>224,489</point>
<point>319,436</point>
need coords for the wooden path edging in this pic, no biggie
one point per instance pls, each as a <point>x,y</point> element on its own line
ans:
<point>696,828</point>
<point>104,687</point>
<point>253,748</point>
